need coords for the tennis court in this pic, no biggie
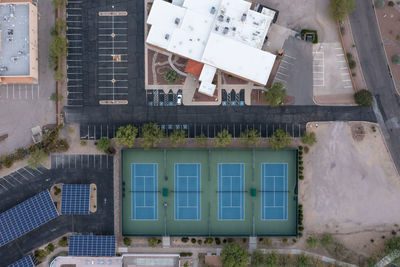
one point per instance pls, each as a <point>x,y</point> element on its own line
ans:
<point>217,192</point>
<point>144,192</point>
<point>231,191</point>
<point>274,191</point>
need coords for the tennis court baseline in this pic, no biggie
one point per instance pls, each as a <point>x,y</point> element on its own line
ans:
<point>144,191</point>
<point>230,191</point>
<point>187,191</point>
<point>274,191</point>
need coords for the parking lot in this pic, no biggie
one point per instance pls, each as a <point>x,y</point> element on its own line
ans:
<point>25,183</point>
<point>233,98</point>
<point>158,98</point>
<point>19,92</point>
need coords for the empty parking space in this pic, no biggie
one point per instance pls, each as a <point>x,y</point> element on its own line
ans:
<point>73,161</point>
<point>318,69</point>
<point>285,68</point>
<point>21,177</point>
<point>19,91</point>
<point>112,74</point>
<point>75,53</point>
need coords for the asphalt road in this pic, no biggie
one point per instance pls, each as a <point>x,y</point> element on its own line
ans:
<point>66,169</point>
<point>376,72</point>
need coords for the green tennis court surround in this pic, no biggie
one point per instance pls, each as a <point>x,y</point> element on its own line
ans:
<point>217,192</point>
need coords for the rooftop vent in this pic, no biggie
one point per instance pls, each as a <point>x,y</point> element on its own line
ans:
<point>225,31</point>
<point>244,16</point>
<point>212,11</point>
<point>177,20</point>
<point>3,69</point>
<point>166,36</point>
<point>233,28</point>
<point>221,18</point>
<point>216,28</point>
<point>228,19</point>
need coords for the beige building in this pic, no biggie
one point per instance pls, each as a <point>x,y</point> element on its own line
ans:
<point>18,42</point>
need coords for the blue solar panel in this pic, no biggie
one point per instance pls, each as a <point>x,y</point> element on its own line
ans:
<point>75,199</point>
<point>24,262</point>
<point>26,216</point>
<point>92,245</point>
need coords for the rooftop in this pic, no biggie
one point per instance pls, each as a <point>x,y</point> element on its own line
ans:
<point>14,46</point>
<point>224,34</point>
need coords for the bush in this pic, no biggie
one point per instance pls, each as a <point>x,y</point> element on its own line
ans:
<point>340,9</point>
<point>284,240</point>
<point>201,140</point>
<point>185,239</point>
<point>303,261</point>
<point>217,241</point>
<point>352,64</point>
<point>266,242</point>
<point>391,3</point>
<point>49,248</point>
<point>153,241</point>
<point>271,259</point>
<point>199,241</point>
<point>280,139</point>
<point>83,143</point>
<point>223,138</point>
<point>244,240</point>
<point>126,135</point>
<point>312,242</point>
<point>396,59</point>
<point>177,137</point>
<point>349,55</point>
<point>152,135</point>
<point>326,240</point>
<point>193,240</point>
<point>363,98</point>
<point>234,255</point>
<point>257,258</point>
<point>37,158</point>
<point>380,3</point>
<point>210,240</point>
<point>8,161</point>
<point>20,154</point>
<point>63,242</point>
<point>306,149</point>
<point>309,138</point>
<point>185,254</point>
<point>301,177</point>
<point>57,190</point>
<point>171,77</point>
<point>103,144</point>
<point>230,240</point>
<point>127,241</point>
<point>251,137</point>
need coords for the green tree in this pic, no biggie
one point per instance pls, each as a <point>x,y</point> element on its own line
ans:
<point>171,76</point>
<point>326,240</point>
<point>55,97</point>
<point>103,144</point>
<point>126,135</point>
<point>153,241</point>
<point>275,95</point>
<point>363,98</point>
<point>312,242</point>
<point>49,248</point>
<point>152,135</point>
<point>201,140</point>
<point>58,50</point>
<point>37,158</point>
<point>177,137</point>
<point>223,138</point>
<point>271,259</point>
<point>340,9</point>
<point>257,258</point>
<point>280,139</point>
<point>233,255</point>
<point>63,242</point>
<point>309,138</point>
<point>251,137</point>
<point>127,241</point>
<point>58,76</point>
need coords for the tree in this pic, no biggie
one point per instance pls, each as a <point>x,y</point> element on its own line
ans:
<point>152,135</point>
<point>126,135</point>
<point>340,9</point>
<point>257,258</point>
<point>153,241</point>
<point>63,242</point>
<point>363,98</point>
<point>271,259</point>
<point>312,242</point>
<point>223,138</point>
<point>58,76</point>
<point>55,97</point>
<point>280,139</point>
<point>251,137</point>
<point>309,138</point>
<point>103,144</point>
<point>201,140</point>
<point>275,95</point>
<point>171,76</point>
<point>177,137</point>
<point>37,158</point>
<point>127,241</point>
<point>233,255</point>
<point>49,248</point>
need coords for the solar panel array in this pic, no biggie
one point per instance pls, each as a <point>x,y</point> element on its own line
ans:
<point>92,245</point>
<point>26,216</point>
<point>75,199</point>
<point>24,262</point>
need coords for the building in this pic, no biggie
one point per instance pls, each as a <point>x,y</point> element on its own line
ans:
<point>221,34</point>
<point>19,42</point>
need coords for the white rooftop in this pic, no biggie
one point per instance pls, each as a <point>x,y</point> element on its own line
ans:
<point>14,45</point>
<point>224,34</point>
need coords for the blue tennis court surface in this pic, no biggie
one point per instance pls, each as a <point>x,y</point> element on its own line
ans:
<point>274,191</point>
<point>92,245</point>
<point>231,191</point>
<point>144,191</point>
<point>75,199</point>
<point>187,191</point>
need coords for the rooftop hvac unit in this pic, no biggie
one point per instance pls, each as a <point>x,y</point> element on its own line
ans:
<point>244,16</point>
<point>228,19</point>
<point>166,36</point>
<point>212,11</point>
<point>221,18</point>
<point>216,28</point>
<point>225,31</point>
<point>177,20</point>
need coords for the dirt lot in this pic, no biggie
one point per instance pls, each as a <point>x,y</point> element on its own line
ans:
<point>389,21</point>
<point>351,187</point>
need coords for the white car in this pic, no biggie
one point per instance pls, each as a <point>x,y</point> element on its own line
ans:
<point>179,100</point>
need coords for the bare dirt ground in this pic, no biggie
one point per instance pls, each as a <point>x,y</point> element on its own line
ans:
<point>389,21</point>
<point>351,187</point>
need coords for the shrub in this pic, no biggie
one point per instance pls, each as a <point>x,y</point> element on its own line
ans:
<point>244,240</point>
<point>312,242</point>
<point>234,255</point>
<point>57,190</point>
<point>8,161</point>
<point>251,137</point>
<point>380,3</point>
<point>83,143</point>
<point>284,240</point>
<point>37,158</point>
<point>306,149</point>
<point>199,241</point>
<point>300,148</point>
<point>171,77</point>
<point>396,59</point>
<point>309,138</point>
<point>185,239</point>
<point>301,177</point>
<point>224,241</point>
<point>201,140</point>
<point>217,241</point>
<point>210,240</point>
<point>223,138</point>
<point>340,9</point>
<point>266,242</point>
<point>49,248</point>
<point>153,241</point>
<point>271,259</point>
<point>257,258</point>
<point>303,261</point>
<point>126,135</point>
<point>391,3</point>
<point>349,55</point>
<point>20,154</point>
<point>152,135</point>
<point>280,139</point>
<point>63,242</point>
<point>59,77</point>
<point>352,64</point>
<point>103,144</point>
<point>185,254</point>
<point>127,241</point>
<point>326,240</point>
<point>110,150</point>
<point>363,98</point>
<point>193,240</point>
<point>177,137</point>
<point>230,240</point>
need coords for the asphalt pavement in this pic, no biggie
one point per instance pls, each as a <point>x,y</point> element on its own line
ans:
<point>377,74</point>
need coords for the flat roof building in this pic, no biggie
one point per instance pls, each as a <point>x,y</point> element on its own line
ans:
<point>19,42</point>
<point>222,34</point>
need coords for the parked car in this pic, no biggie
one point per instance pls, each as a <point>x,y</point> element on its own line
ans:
<point>179,99</point>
